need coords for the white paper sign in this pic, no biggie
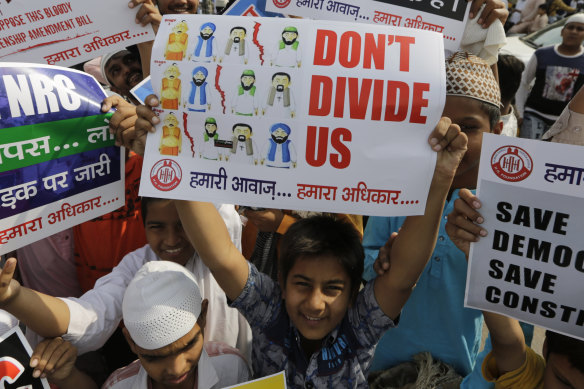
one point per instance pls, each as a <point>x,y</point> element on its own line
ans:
<point>336,121</point>
<point>531,264</point>
<point>444,16</point>
<point>66,33</point>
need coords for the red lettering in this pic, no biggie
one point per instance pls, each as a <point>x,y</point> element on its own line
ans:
<point>419,102</point>
<point>343,158</point>
<point>359,101</point>
<point>325,40</point>
<point>320,86</point>
<point>340,97</point>
<point>316,157</point>
<point>404,51</point>
<point>391,115</point>
<point>374,51</point>
<point>377,101</point>
<point>350,40</point>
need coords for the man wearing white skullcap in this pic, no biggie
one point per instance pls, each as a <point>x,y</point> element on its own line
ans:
<point>559,73</point>
<point>164,317</point>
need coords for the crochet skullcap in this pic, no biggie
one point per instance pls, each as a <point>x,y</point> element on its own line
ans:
<point>161,304</point>
<point>469,76</point>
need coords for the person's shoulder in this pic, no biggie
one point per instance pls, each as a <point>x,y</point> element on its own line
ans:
<point>228,362</point>
<point>124,377</point>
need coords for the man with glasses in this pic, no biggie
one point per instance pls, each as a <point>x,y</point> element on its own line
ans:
<point>559,73</point>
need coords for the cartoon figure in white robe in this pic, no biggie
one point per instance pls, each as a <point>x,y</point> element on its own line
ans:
<point>279,151</point>
<point>200,97</point>
<point>244,150</point>
<point>245,100</point>
<point>207,149</point>
<point>286,52</point>
<point>237,48</point>
<point>206,44</point>
<point>280,101</point>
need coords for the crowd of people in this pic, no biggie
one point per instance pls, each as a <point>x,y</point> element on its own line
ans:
<point>179,294</point>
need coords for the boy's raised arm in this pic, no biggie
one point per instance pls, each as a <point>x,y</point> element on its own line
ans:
<point>208,234</point>
<point>46,315</point>
<point>415,243</point>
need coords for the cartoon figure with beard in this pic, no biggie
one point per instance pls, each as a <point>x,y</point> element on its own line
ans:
<point>244,148</point>
<point>200,97</point>
<point>287,53</point>
<point>210,135</point>
<point>236,48</point>
<point>171,88</point>
<point>279,151</point>
<point>206,46</point>
<point>176,47</point>
<point>245,101</point>
<point>171,141</point>
<point>280,99</point>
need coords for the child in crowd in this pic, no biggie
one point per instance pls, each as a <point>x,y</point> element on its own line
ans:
<point>511,364</point>
<point>315,323</point>
<point>164,317</point>
<point>89,321</point>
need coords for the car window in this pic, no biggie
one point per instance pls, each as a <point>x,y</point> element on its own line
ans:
<point>547,36</point>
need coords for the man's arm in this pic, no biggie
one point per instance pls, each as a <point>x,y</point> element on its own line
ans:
<point>524,88</point>
<point>415,243</point>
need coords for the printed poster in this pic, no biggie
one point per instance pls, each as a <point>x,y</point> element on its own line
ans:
<point>58,163</point>
<point>274,381</point>
<point>249,8</point>
<point>530,266</point>
<point>66,33</point>
<point>15,371</point>
<point>447,17</point>
<point>286,113</point>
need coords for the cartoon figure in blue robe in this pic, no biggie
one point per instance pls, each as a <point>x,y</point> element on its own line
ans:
<point>200,97</point>
<point>279,151</point>
<point>206,44</point>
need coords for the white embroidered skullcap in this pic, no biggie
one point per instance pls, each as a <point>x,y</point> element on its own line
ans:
<point>470,76</point>
<point>161,304</point>
<point>576,18</point>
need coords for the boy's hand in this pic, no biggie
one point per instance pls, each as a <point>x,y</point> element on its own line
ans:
<point>9,287</point>
<point>53,359</point>
<point>147,13</point>
<point>450,144</point>
<point>462,225</point>
<point>494,9</point>
<point>147,119</point>
<point>267,220</point>
<point>383,261</point>
<point>122,123</point>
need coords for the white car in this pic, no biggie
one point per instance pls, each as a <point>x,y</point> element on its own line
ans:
<point>523,46</point>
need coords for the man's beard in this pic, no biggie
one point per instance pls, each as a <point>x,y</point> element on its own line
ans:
<point>236,39</point>
<point>241,138</point>
<point>287,42</point>
<point>210,134</point>
<point>206,36</point>
<point>280,88</point>
<point>199,82</point>
<point>248,87</point>
<point>279,139</point>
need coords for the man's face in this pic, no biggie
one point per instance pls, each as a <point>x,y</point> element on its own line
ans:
<point>206,32</point>
<point>199,78</point>
<point>172,72</point>
<point>237,35</point>
<point>165,234</point>
<point>560,374</point>
<point>124,71</point>
<point>174,366</point>
<point>317,295</point>
<point>289,37</point>
<point>178,6</point>
<point>280,82</point>
<point>573,34</point>
<point>279,136</point>
<point>473,121</point>
<point>180,28</point>
<point>171,120</point>
<point>210,128</point>
<point>247,82</point>
<point>242,133</point>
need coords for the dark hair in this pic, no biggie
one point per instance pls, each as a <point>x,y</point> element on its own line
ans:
<point>323,235</point>
<point>571,348</point>
<point>238,28</point>
<point>544,7</point>
<point>145,202</point>
<point>510,69</point>
<point>493,112</point>
<point>241,124</point>
<point>281,74</point>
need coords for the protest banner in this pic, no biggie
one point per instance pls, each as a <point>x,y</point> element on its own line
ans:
<point>15,370</point>
<point>249,8</point>
<point>68,32</point>
<point>446,17</point>
<point>274,381</point>
<point>531,264</point>
<point>337,120</point>
<point>58,163</point>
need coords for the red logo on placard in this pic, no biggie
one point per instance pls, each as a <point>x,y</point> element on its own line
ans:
<point>281,3</point>
<point>511,163</point>
<point>10,370</point>
<point>165,175</point>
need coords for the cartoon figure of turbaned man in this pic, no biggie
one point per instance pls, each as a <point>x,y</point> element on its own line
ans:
<point>206,46</point>
<point>279,151</point>
<point>200,97</point>
<point>236,49</point>
<point>245,100</point>
<point>280,100</point>
<point>171,141</point>
<point>176,47</point>
<point>286,53</point>
<point>243,150</point>
<point>171,88</point>
<point>210,135</point>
